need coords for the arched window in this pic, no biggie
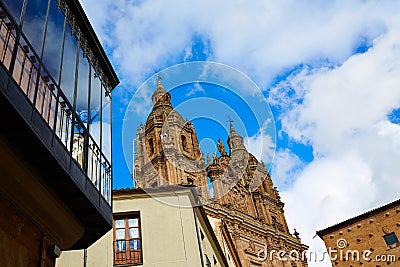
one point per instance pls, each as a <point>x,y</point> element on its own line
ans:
<point>151,146</point>
<point>184,142</point>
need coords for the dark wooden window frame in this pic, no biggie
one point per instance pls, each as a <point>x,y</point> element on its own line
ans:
<point>128,256</point>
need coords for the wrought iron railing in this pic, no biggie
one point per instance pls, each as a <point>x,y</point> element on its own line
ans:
<point>19,58</point>
<point>126,253</point>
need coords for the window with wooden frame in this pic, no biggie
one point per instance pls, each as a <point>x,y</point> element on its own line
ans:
<point>127,240</point>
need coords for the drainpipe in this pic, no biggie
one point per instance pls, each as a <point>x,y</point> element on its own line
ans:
<point>84,257</point>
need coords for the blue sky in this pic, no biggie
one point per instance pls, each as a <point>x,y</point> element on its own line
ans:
<point>330,71</point>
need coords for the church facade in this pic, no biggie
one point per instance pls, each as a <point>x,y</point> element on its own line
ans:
<point>242,198</point>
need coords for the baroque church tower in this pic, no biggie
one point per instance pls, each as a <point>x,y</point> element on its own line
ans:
<point>167,149</point>
<point>244,205</point>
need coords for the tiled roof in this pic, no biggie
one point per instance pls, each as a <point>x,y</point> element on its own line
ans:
<point>362,216</point>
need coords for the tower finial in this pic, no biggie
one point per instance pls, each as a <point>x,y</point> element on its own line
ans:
<point>159,78</point>
<point>160,92</point>
<point>230,124</point>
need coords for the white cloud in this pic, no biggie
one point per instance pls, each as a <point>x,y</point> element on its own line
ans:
<point>261,145</point>
<point>350,98</point>
<point>263,38</point>
<point>328,191</point>
<point>343,115</point>
<point>196,88</point>
<point>286,168</point>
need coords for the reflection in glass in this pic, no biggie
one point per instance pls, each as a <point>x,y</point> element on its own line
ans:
<point>134,244</point>
<point>19,63</point>
<point>119,223</point>
<point>95,105</point>
<point>82,89</point>
<point>27,69</point>
<point>7,38</point>
<point>46,98</point>
<point>133,222</point>
<point>64,122</point>
<point>53,42</point>
<point>15,8</point>
<point>68,65</point>
<point>133,233</point>
<point>34,22</point>
<point>106,145</point>
<point>78,145</point>
<point>32,82</point>
<point>120,245</point>
<point>94,161</point>
<point>106,125</point>
<point>120,233</point>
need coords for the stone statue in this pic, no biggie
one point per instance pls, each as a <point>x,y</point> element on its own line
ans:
<point>208,159</point>
<point>221,148</point>
<point>215,159</point>
<point>296,234</point>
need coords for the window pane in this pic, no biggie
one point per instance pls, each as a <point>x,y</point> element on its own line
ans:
<point>78,149</point>
<point>106,126</point>
<point>134,233</point>
<point>26,74</point>
<point>119,223</point>
<point>19,64</point>
<point>15,7</point>
<point>134,244</point>
<point>7,38</point>
<point>391,239</point>
<point>68,65</point>
<point>83,88</point>
<point>94,160</point>
<point>120,245</point>
<point>34,20</point>
<point>53,42</point>
<point>95,98</point>
<point>120,233</point>
<point>133,222</point>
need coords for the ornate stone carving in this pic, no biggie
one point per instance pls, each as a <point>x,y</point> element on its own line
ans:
<point>221,148</point>
<point>215,159</point>
<point>251,248</point>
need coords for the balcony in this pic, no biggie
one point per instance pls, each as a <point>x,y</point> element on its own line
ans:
<point>56,139</point>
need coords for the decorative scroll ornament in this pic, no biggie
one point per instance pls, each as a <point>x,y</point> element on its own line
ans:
<point>84,44</point>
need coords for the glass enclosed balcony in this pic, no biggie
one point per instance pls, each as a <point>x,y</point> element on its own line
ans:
<point>55,135</point>
<point>49,58</point>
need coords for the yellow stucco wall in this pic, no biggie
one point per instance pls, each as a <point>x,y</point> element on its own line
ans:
<point>169,236</point>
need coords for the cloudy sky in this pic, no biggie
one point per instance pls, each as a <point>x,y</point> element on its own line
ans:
<point>329,69</point>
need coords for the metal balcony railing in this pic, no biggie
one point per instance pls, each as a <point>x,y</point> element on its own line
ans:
<point>20,59</point>
<point>126,253</point>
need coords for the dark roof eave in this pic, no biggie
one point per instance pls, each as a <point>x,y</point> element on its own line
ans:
<point>150,190</point>
<point>350,221</point>
<point>93,41</point>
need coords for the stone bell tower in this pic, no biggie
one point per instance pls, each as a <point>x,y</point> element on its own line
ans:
<point>167,149</point>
